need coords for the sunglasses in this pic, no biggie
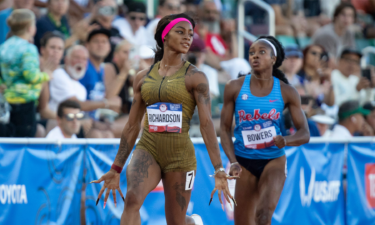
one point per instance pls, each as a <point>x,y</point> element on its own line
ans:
<point>173,7</point>
<point>314,53</point>
<point>141,18</point>
<point>71,116</point>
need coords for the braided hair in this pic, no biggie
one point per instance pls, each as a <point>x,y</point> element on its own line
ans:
<point>159,30</point>
<point>279,58</point>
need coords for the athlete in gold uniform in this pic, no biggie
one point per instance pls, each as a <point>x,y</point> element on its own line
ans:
<point>169,92</point>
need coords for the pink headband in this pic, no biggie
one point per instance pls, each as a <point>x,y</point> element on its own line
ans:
<point>171,25</point>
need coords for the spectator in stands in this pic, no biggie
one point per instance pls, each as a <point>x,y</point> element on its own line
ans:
<point>55,19</point>
<point>370,119</point>
<point>219,55</point>
<point>19,63</point>
<point>132,27</point>
<point>98,47</point>
<point>336,36</point>
<point>292,64</point>
<point>69,118</point>
<point>5,11</point>
<point>166,7</point>
<point>323,123</point>
<point>65,86</point>
<point>119,75</point>
<point>316,74</point>
<point>103,15</point>
<point>347,82</point>
<point>350,120</point>
<point>52,47</point>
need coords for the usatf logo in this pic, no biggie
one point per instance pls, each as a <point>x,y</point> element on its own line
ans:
<point>163,107</point>
<point>257,127</point>
<point>245,97</point>
<point>13,194</point>
<point>370,183</point>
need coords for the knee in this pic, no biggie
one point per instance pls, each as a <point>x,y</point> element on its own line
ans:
<point>263,216</point>
<point>133,200</point>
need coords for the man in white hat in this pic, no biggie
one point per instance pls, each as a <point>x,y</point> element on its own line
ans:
<point>323,123</point>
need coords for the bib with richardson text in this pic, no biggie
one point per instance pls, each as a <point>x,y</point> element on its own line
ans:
<point>164,117</point>
<point>259,135</point>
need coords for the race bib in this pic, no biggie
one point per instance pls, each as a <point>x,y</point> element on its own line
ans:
<point>258,136</point>
<point>164,117</point>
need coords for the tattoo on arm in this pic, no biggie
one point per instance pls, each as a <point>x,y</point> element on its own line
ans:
<point>123,151</point>
<point>203,93</point>
<point>218,166</point>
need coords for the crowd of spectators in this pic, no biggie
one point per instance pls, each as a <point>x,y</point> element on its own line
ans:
<point>67,66</point>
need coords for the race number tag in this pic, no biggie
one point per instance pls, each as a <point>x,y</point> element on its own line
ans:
<point>164,117</point>
<point>190,176</point>
<point>258,136</point>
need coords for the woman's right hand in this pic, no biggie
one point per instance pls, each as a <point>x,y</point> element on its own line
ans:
<point>111,182</point>
<point>235,170</point>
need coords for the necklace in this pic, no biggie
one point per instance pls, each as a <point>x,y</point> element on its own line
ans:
<point>261,78</point>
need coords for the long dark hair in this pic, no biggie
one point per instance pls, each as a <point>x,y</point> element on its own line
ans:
<point>159,30</point>
<point>279,58</point>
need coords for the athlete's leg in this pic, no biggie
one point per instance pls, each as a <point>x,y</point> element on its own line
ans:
<point>177,198</point>
<point>143,174</point>
<point>246,196</point>
<point>270,185</point>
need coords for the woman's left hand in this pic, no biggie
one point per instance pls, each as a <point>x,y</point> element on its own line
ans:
<point>221,184</point>
<point>280,141</point>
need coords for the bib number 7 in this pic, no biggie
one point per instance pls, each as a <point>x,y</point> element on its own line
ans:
<point>190,176</point>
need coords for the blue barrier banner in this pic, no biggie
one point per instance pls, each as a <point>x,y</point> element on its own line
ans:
<point>361,184</point>
<point>313,192</point>
<point>40,183</point>
<point>44,184</point>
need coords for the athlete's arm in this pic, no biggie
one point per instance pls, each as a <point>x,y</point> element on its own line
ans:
<point>133,126</point>
<point>197,83</point>
<point>226,122</point>
<point>293,101</point>
<point>129,135</point>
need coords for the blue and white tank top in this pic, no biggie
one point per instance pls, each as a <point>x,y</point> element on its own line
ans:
<point>258,120</point>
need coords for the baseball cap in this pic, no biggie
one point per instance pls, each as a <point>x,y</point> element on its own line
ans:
<point>98,31</point>
<point>136,7</point>
<point>293,50</point>
<point>351,51</point>
<point>350,108</point>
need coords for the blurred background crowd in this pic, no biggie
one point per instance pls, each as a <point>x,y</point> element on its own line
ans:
<point>67,66</point>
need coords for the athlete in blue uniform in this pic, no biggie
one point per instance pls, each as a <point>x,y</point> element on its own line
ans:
<point>257,156</point>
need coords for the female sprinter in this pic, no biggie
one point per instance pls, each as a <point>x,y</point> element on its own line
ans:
<point>169,92</point>
<point>257,155</point>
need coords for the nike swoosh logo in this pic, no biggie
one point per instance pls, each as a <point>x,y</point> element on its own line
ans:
<point>273,100</point>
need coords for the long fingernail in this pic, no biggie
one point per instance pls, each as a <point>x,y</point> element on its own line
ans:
<point>104,205</point>
<point>222,206</point>
<point>210,201</point>
<point>97,200</point>
<point>123,199</point>
<point>115,204</point>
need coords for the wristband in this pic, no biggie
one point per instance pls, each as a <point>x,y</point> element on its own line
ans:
<point>116,168</point>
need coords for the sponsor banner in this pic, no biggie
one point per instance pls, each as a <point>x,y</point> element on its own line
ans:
<point>40,183</point>
<point>165,117</point>
<point>361,184</point>
<point>313,191</point>
<point>43,183</point>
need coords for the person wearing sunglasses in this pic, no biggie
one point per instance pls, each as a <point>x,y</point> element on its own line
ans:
<point>132,26</point>
<point>69,116</point>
